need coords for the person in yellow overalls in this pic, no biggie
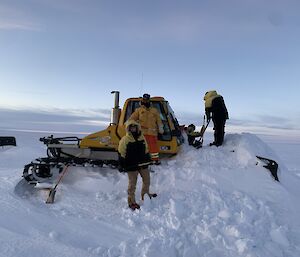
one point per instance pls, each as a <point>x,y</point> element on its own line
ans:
<point>149,119</point>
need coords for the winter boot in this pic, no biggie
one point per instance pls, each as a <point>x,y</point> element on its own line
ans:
<point>150,196</point>
<point>157,162</point>
<point>134,206</point>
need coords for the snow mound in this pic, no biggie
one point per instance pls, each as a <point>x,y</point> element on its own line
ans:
<point>213,201</point>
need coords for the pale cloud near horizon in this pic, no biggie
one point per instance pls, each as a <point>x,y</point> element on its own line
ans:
<point>57,112</point>
<point>89,121</point>
<point>54,118</point>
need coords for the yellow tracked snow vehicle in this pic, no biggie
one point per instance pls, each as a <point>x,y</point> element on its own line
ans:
<point>101,147</point>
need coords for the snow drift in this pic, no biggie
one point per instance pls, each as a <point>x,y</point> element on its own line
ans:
<point>211,202</point>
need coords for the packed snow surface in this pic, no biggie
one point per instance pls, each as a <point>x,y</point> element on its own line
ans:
<point>212,202</point>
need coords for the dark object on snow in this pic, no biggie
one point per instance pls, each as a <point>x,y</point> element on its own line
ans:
<point>152,195</point>
<point>8,141</point>
<point>271,165</point>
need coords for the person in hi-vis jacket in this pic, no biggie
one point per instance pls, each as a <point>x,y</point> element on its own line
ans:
<point>149,119</point>
<point>216,110</point>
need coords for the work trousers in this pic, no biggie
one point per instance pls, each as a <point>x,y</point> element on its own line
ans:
<point>219,128</point>
<point>132,180</point>
<point>153,147</point>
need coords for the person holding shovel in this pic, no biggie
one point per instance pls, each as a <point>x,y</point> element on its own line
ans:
<point>216,110</point>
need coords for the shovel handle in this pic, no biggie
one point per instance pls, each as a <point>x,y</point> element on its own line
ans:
<point>52,192</point>
<point>61,176</point>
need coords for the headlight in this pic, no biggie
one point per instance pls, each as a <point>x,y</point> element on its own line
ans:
<point>165,148</point>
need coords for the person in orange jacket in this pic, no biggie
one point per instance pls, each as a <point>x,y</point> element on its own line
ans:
<point>151,124</point>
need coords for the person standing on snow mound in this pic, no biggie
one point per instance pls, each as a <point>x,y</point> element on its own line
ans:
<point>149,119</point>
<point>134,159</point>
<point>216,110</point>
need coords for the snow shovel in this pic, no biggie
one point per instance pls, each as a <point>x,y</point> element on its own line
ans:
<point>271,165</point>
<point>52,192</point>
<point>198,143</point>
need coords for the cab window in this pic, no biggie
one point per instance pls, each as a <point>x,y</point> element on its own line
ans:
<point>132,105</point>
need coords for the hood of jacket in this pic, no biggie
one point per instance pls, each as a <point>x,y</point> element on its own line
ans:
<point>209,97</point>
<point>132,122</point>
<point>210,94</point>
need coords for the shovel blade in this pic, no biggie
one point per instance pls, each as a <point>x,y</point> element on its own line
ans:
<point>51,196</point>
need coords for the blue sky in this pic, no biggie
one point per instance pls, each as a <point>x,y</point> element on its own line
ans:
<point>69,54</point>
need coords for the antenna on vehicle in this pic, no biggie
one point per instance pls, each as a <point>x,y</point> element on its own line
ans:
<point>142,82</point>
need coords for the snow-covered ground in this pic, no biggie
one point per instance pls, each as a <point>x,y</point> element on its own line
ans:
<point>211,202</point>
